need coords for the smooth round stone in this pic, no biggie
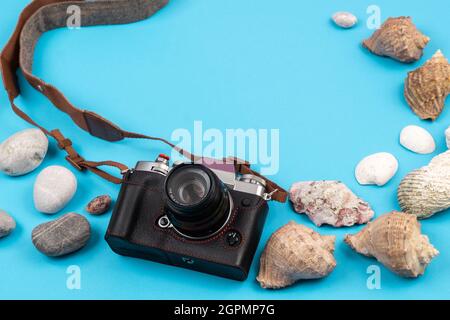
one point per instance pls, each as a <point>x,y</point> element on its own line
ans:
<point>62,236</point>
<point>344,19</point>
<point>417,139</point>
<point>23,152</point>
<point>7,224</point>
<point>376,169</point>
<point>55,186</point>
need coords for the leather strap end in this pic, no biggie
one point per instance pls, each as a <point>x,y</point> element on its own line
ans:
<point>101,128</point>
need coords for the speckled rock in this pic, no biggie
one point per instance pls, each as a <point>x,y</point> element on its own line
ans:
<point>99,205</point>
<point>54,188</point>
<point>7,224</point>
<point>23,152</point>
<point>344,19</point>
<point>62,236</point>
<point>329,202</point>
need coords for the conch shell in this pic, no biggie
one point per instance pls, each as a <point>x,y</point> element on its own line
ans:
<point>329,202</point>
<point>295,252</point>
<point>399,39</point>
<point>427,87</point>
<point>425,191</point>
<point>395,240</point>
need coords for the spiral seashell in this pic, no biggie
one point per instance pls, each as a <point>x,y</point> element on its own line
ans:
<point>399,39</point>
<point>426,191</point>
<point>295,252</point>
<point>395,240</point>
<point>427,87</point>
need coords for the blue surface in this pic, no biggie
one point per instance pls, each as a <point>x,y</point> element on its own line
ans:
<point>231,64</point>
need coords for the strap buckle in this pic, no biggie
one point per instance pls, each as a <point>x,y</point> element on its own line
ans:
<point>66,144</point>
<point>63,144</point>
<point>75,162</point>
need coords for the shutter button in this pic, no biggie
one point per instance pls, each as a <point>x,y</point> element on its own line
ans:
<point>233,238</point>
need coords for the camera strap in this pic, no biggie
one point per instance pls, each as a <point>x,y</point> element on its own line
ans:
<point>44,15</point>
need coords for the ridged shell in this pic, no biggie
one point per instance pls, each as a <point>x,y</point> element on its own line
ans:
<point>399,39</point>
<point>295,252</point>
<point>426,191</point>
<point>395,240</point>
<point>427,87</point>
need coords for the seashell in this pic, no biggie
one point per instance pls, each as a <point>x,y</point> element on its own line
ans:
<point>427,87</point>
<point>23,152</point>
<point>395,240</point>
<point>417,139</point>
<point>329,202</point>
<point>398,38</point>
<point>344,19</point>
<point>377,169</point>
<point>295,252</point>
<point>447,137</point>
<point>7,224</point>
<point>99,205</point>
<point>426,191</point>
<point>54,188</point>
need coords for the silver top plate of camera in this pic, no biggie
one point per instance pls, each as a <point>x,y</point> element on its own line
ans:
<point>246,183</point>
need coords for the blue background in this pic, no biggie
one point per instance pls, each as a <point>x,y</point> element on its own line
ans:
<point>232,64</point>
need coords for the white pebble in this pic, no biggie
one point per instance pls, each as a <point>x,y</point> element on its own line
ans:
<point>23,152</point>
<point>447,137</point>
<point>417,139</point>
<point>344,19</point>
<point>54,188</point>
<point>377,169</point>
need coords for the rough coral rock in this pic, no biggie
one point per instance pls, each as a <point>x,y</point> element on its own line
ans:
<point>329,202</point>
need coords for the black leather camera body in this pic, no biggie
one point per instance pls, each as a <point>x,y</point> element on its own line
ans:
<point>201,217</point>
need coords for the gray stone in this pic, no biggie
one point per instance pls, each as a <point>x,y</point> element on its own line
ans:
<point>23,152</point>
<point>55,186</point>
<point>62,236</point>
<point>7,224</point>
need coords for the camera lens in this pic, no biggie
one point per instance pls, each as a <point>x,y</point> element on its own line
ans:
<point>189,186</point>
<point>197,202</point>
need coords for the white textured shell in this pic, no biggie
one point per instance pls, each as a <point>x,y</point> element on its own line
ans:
<point>329,202</point>
<point>417,139</point>
<point>23,152</point>
<point>344,19</point>
<point>53,189</point>
<point>396,241</point>
<point>377,169</point>
<point>295,252</point>
<point>426,191</point>
<point>447,137</point>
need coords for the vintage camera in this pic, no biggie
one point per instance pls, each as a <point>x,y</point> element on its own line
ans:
<point>202,217</point>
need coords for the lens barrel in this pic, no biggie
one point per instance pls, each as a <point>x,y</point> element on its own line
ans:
<point>197,201</point>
